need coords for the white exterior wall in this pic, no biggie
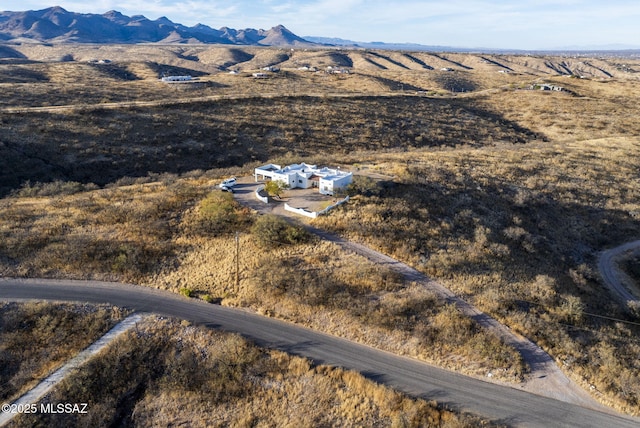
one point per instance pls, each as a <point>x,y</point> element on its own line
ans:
<point>302,181</point>
<point>299,176</point>
<point>331,183</point>
<point>343,181</point>
<point>287,178</point>
<point>265,171</point>
<point>326,186</point>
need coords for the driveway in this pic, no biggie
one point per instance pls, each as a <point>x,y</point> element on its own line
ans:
<point>502,404</point>
<point>619,282</point>
<point>545,378</point>
<point>309,199</point>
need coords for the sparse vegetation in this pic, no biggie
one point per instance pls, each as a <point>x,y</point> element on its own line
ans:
<point>36,338</point>
<point>504,194</point>
<point>218,213</point>
<point>517,230</point>
<point>275,187</point>
<point>165,374</point>
<point>177,235</point>
<point>273,231</point>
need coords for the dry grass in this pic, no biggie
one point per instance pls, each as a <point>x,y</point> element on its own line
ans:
<point>596,109</point>
<point>513,227</point>
<point>165,374</point>
<point>517,231</point>
<point>176,236</point>
<point>36,338</point>
<point>106,233</point>
<point>101,146</point>
<point>320,286</point>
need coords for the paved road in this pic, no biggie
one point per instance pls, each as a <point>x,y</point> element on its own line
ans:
<point>498,403</point>
<point>611,274</point>
<point>545,378</point>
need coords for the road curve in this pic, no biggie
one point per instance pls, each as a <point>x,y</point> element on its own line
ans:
<point>545,378</point>
<point>499,403</point>
<point>611,274</point>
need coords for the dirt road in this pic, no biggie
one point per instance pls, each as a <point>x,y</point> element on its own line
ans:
<point>546,378</point>
<point>502,404</point>
<point>614,278</point>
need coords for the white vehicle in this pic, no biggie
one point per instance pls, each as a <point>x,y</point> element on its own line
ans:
<point>229,182</point>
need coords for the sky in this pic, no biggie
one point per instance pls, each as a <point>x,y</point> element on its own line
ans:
<point>496,24</point>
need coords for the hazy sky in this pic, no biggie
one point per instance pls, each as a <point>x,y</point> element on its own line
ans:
<point>517,24</point>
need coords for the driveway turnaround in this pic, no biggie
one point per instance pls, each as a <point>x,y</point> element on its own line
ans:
<point>498,403</point>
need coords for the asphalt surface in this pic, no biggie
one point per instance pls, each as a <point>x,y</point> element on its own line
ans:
<point>545,377</point>
<point>498,403</point>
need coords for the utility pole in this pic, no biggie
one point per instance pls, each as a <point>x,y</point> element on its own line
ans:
<point>237,262</point>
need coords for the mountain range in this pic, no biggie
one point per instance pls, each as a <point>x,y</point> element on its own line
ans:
<point>56,25</point>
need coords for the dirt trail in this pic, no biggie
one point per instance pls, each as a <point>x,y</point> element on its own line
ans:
<point>613,277</point>
<point>545,379</point>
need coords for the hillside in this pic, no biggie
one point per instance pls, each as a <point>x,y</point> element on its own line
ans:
<point>56,25</point>
<point>387,101</point>
<point>216,58</point>
<point>502,191</point>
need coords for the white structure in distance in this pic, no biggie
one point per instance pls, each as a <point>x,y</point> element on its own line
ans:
<point>177,78</point>
<point>303,176</point>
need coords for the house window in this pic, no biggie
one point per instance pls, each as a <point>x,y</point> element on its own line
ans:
<point>300,181</point>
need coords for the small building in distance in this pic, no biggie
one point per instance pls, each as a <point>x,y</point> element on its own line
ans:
<point>177,79</point>
<point>303,176</point>
<point>546,87</point>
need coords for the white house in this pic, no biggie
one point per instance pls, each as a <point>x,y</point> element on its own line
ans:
<point>303,176</point>
<point>176,78</point>
<point>546,87</point>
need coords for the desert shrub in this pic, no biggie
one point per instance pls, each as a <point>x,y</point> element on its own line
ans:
<point>219,213</point>
<point>165,374</point>
<point>37,337</point>
<point>275,187</point>
<point>54,188</point>
<point>186,292</point>
<point>518,231</point>
<point>272,230</point>
<point>362,185</point>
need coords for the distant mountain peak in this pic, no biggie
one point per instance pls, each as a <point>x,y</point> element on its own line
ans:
<point>56,9</point>
<point>57,24</point>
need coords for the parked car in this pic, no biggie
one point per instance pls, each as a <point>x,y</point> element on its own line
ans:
<point>226,189</point>
<point>229,182</point>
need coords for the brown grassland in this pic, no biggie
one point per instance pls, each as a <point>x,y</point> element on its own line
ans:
<point>504,194</point>
<point>165,373</point>
<point>36,338</point>
<point>177,235</point>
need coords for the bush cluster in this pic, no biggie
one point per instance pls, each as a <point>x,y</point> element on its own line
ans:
<point>271,231</point>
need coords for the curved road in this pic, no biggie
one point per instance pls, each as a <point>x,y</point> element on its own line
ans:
<point>545,378</point>
<point>499,403</point>
<point>612,275</point>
